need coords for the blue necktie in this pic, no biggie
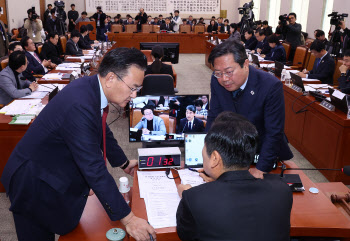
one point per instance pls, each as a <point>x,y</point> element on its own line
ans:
<point>189,126</point>
<point>236,93</point>
<point>317,62</point>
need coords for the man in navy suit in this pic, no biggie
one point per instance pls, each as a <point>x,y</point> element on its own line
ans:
<point>255,94</point>
<point>59,162</point>
<point>324,65</point>
<point>344,79</point>
<point>35,64</point>
<point>190,123</point>
<point>262,46</point>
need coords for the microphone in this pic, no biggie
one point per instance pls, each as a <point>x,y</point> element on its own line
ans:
<point>345,169</point>
<point>184,127</point>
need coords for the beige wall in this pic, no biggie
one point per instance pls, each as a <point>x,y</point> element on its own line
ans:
<point>17,11</point>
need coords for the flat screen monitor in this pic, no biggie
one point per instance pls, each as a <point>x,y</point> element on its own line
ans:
<point>341,104</point>
<point>53,93</point>
<point>278,68</point>
<point>164,118</point>
<point>297,80</point>
<point>171,50</point>
<point>194,143</point>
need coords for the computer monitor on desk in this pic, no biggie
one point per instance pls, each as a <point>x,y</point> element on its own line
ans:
<point>278,68</point>
<point>339,100</point>
<point>255,60</point>
<point>297,80</point>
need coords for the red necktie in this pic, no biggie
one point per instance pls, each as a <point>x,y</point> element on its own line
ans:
<point>37,58</point>
<point>104,118</point>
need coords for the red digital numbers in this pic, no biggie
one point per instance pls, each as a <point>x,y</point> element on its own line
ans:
<point>171,161</point>
<point>150,161</point>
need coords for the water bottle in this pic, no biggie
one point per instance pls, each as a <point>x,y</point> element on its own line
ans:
<point>124,188</point>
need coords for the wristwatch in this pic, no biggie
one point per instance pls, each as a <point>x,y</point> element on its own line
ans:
<point>343,74</point>
<point>125,165</point>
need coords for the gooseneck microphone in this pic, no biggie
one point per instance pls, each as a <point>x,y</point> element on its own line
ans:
<point>345,169</point>
<point>184,126</point>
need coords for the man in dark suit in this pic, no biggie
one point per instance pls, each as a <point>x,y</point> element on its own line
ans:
<point>235,205</point>
<point>50,49</point>
<point>344,79</point>
<point>72,47</point>
<point>54,24</point>
<point>100,18</point>
<point>324,65</point>
<point>73,15</point>
<point>293,34</point>
<point>190,123</point>
<point>255,94</point>
<point>36,66</point>
<point>168,26</point>
<point>250,40</point>
<point>83,43</point>
<point>59,161</point>
<point>141,18</point>
<point>262,47</point>
<point>267,28</point>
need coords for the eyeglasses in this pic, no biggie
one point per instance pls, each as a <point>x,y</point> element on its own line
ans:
<point>219,75</point>
<point>132,89</point>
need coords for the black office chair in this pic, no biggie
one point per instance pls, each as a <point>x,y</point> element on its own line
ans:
<point>158,84</point>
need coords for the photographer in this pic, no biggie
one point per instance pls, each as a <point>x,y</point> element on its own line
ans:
<point>54,25</point>
<point>141,18</point>
<point>100,18</point>
<point>47,15</point>
<point>346,36</point>
<point>176,20</point>
<point>33,25</point>
<point>293,33</point>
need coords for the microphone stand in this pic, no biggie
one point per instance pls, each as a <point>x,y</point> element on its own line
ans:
<point>284,168</point>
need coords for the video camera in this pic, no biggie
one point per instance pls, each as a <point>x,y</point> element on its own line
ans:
<point>247,7</point>
<point>59,8</point>
<point>34,15</point>
<point>336,18</point>
<point>59,4</point>
<point>283,18</point>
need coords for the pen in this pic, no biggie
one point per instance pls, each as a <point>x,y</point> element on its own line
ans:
<point>150,235</point>
<point>193,170</point>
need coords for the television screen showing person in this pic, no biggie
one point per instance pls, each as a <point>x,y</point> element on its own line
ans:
<point>149,123</point>
<point>191,123</point>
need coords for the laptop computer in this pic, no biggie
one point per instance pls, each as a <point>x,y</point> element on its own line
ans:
<point>297,80</point>
<point>341,104</point>
<point>278,68</point>
<point>255,60</point>
<point>194,143</point>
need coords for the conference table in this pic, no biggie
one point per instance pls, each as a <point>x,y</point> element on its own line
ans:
<point>313,215</point>
<point>321,136</point>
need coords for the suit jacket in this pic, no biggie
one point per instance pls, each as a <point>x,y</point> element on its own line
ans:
<point>277,53</point>
<point>4,44</point>
<point>344,83</point>
<point>235,36</point>
<point>251,43</point>
<point>222,29</point>
<point>262,103</point>
<point>73,49</point>
<point>176,23</point>
<point>268,31</point>
<point>165,69</point>
<point>170,27</point>
<point>103,16</point>
<point>212,28</point>
<point>34,67</point>
<point>83,43</point>
<point>293,34</point>
<point>8,86</point>
<point>158,125</point>
<point>72,15</point>
<point>264,46</point>
<point>50,172</point>
<point>51,51</point>
<point>53,26</point>
<point>246,208</point>
<point>198,126</point>
<point>324,71</point>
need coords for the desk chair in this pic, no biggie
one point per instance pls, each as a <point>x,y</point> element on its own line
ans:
<point>199,29</point>
<point>135,117</point>
<point>130,28</point>
<point>4,62</point>
<point>39,47</point>
<point>147,53</point>
<point>185,28</point>
<point>146,28</point>
<point>172,124</point>
<point>158,84</point>
<point>156,28</point>
<point>63,41</point>
<point>299,58</point>
<point>165,118</point>
<point>336,74</point>
<point>116,28</point>
<point>1,106</point>
<point>310,62</point>
<point>287,48</point>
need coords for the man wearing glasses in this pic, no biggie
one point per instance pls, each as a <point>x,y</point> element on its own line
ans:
<point>150,124</point>
<point>61,160</point>
<point>255,94</point>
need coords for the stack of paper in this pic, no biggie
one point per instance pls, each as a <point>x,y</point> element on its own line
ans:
<point>36,95</point>
<point>53,76</point>
<point>20,107</point>
<point>309,80</point>
<point>69,65</point>
<point>50,87</point>
<point>190,177</point>
<point>22,119</point>
<point>161,197</point>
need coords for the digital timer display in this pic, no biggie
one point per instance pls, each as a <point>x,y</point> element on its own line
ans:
<point>161,161</point>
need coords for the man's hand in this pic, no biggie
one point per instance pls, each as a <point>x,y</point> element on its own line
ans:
<point>305,71</point>
<point>203,175</point>
<point>302,75</point>
<point>343,69</point>
<point>262,55</point>
<point>138,228</point>
<point>33,86</point>
<point>52,65</point>
<point>145,131</point>
<point>256,173</point>
<point>253,51</point>
<point>182,187</point>
<point>130,168</point>
<point>258,50</point>
<point>46,63</point>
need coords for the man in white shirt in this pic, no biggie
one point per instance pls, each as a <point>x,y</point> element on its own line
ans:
<point>176,21</point>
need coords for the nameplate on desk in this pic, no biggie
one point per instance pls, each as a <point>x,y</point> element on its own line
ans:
<point>297,88</point>
<point>327,105</point>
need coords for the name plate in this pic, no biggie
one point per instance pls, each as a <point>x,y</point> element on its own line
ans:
<point>297,88</point>
<point>327,105</point>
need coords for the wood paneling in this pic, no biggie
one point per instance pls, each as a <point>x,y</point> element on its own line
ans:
<point>4,15</point>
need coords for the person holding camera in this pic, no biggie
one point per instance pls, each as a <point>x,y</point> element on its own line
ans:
<point>100,18</point>
<point>141,18</point>
<point>293,33</point>
<point>176,21</point>
<point>33,25</point>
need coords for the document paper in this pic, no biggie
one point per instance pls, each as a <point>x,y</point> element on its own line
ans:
<point>190,177</point>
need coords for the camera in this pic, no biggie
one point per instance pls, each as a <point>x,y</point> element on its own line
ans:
<point>247,7</point>
<point>34,15</point>
<point>59,4</point>
<point>336,18</point>
<point>283,18</point>
<point>59,8</point>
